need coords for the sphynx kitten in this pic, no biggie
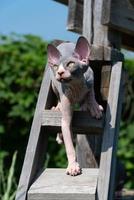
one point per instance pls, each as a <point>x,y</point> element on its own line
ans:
<point>72,82</point>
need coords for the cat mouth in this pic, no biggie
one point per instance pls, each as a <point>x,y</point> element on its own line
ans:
<point>64,80</point>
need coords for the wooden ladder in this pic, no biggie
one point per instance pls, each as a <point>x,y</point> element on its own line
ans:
<point>94,183</point>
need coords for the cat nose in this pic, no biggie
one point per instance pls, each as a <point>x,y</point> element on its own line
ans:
<point>60,72</point>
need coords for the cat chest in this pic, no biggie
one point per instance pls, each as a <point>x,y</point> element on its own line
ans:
<point>76,92</point>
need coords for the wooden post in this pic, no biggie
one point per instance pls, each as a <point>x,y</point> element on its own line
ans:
<point>37,141</point>
<point>106,178</point>
<point>98,35</point>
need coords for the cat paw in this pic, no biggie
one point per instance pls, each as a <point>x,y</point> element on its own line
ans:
<point>59,138</point>
<point>57,108</point>
<point>96,110</point>
<point>73,169</point>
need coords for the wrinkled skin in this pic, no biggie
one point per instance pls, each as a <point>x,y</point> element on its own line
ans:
<point>72,82</point>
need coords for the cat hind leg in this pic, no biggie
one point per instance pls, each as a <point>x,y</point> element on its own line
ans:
<point>59,138</point>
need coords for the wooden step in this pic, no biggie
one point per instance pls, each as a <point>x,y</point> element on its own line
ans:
<point>54,184</point>
<point>82,122</point>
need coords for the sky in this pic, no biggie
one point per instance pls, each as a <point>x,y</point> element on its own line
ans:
<point>45,18</point>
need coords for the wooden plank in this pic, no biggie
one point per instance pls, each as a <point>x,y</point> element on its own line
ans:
<point>86,151</point>
<point>55,184</point>
<point>80,14</point>
<point>101,53</point>
<point>33,158</point>
<point>75,15</point>
<point>88,20</point>
<point>119,14</point>
<point>105,189</point>
<point>82,122</point>
<point>102,35</point>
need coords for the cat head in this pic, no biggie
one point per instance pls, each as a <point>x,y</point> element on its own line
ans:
<point>69,63</point>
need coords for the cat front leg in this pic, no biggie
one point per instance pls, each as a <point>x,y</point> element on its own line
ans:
<point>73,168</point>
<point>91,105</point>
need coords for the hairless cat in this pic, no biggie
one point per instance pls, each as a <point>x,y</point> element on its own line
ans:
<point>72,82</point>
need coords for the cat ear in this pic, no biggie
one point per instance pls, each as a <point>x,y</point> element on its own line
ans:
<point>82,49</point>
<point>53,54</point>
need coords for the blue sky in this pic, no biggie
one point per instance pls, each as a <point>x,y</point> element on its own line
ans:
<point>45,18</point>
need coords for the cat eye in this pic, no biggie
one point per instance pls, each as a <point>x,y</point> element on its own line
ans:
<point>71,64</point>
<point>55,67</point>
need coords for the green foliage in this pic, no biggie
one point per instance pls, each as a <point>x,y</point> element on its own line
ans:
<point>126,151</point>
<point>126,138</point>
<point>7,181</point>
<point>21,60</point>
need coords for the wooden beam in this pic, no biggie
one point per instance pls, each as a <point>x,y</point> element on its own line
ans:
<point>54,184</point>
<point>37,142</point>
<point>105,189</point>
<point>82,122</point>
<point>75,15</point>
<point>81,13</point>
<point>119,14</point>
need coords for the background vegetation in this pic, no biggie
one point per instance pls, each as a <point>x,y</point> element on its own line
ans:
<point>22,61</point>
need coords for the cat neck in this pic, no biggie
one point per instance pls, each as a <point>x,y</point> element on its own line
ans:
<point>75,90</point>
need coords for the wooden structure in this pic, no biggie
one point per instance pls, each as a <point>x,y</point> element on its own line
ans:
<point>96,149</point>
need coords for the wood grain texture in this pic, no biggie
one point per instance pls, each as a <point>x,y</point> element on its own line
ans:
<point>55,184</point>
<point>35,147</point>
<point>75,16</point>
<point>105,189</point>
<point>82,122</point>
<point>87,28</point>
<point>85,151</point>
<point>119,14</point>
<point>102,35</point>
<point>81,20</point>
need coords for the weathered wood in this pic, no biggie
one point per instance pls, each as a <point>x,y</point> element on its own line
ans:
<point>113,35</point>
<point>88,20</point>
<point>86,151</point>
<point>102,35</point>
<point>82,122</point>
<point>105,81</point>
<point>102,53</point>
<point>107,162</point>
<point>55,184</point>
<point>119,14</point>
<point>75,15</point>
<point>36,143</point>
